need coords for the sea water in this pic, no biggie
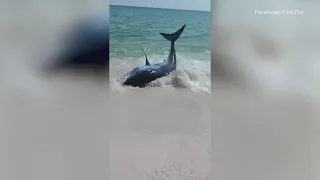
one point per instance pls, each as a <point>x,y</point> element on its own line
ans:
<point>134,27</point>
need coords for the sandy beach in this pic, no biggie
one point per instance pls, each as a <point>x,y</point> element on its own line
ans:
<point>152,131</point>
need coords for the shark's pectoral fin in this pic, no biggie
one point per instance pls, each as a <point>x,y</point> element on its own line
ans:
<point>147,62</point>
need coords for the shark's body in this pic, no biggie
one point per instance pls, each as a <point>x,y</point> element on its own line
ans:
<point>141,76</point>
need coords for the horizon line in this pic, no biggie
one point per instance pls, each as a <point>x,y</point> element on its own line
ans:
<point>160,8</point>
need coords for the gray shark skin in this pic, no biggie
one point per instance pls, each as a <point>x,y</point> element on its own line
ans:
<point>142,75</point>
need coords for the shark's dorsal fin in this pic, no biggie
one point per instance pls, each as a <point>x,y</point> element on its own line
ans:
<point>147,62</point>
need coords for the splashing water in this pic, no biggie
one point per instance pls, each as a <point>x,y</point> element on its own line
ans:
<point>191,74</point>
<point>132,27</point>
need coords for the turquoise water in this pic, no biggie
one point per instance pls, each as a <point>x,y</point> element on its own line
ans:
<point>133,27</point>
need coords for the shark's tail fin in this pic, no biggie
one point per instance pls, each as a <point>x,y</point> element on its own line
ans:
<point>173,37</point>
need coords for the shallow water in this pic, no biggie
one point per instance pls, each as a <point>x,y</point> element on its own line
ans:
<point>132,28</point>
